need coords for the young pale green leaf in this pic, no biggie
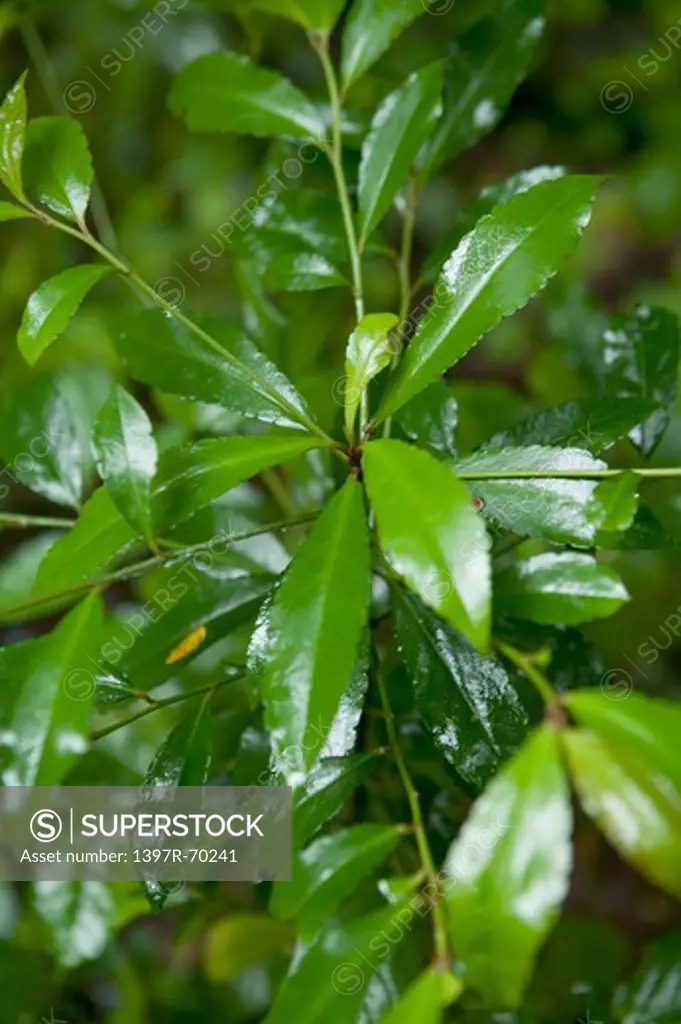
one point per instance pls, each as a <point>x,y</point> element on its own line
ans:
<point>329,869</point>
<point>400,127</point>
<point>12,133</point>
<point>58,166</point>
<point>566,588</point>
<point>305,647</point>
<point>482,75</point>
<point>466,700</point>
<point>39,442</point>
<point>652,995</point>
<point>431,534</point>
<point>496,269</point>
<point>319,14</point>
<point>430,418</point>
<point>126,457</point>
<point>99,536</point>
<point>650,728</point>
<point>79,918</point>
<point>330,783</point>
<point>640,359</point>
<point>425,998</point>
<point>370,30</point>
<point>190,477</point>
<point>508,870</point>
<point>593,424</point>
<point>228,371</point>
<point>52,305</point>
<point>637,806</point>
<point>225,92</point>
<point>545,507</point>
<point>49,721</point>
<point>8,211</point>
<point>18,573</point>
<point>243,940</point>
<point>614,502</point>
<point>369,351</point>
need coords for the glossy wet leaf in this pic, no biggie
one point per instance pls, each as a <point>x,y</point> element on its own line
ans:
<point>482,74</point>
<point>565,588</point>
<point>226,92</point>
<point>369,351</point>
<point>429,419</point>
<point>497,267</point>
<point>431,535</point>
<point>58,166</point>
<point>652,995</point>
<point>593,424</point>
<point>370,30</point>
<point>190,477</point>
<point>185,757</point>
<point>18,572</point>
<point>614,503</point>
<point>12,134</point>
<point>79,918</point>
<point>8,211</point>
<point>399,128</point>
<point>231,372</point>
<point>634,804</point>
<point>305,646</point>
<point>39,442</point>
<point>126,457</point>
<point>47,715</point>
<point>545,507</point>
<point>328,870</point>
<point>241,940</point>
<point>52,305</point>
<point>509,868</point>
<point>467,701</point>
<point>426,998</point>
<point>330,783</point>
<point>640,357</point>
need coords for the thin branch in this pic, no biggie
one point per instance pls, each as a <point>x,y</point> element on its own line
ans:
<point>19,521</point>
<point>524,662</point>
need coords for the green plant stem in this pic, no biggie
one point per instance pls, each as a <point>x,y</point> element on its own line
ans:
<point>165,703</point>
<point>19,521</point>
<point>129,572</point>
<point>524,662</point>
<point>439,920</point>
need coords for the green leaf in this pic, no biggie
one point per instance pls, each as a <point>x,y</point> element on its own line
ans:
<point>242,940</point>
<point>431,535</point>
<point>425,998</point>
<point>369,351</point>
<point>189,478</point>
<point>508,870</point>
<point>18,573</point>
<point>653,994</point>
<point>12,132</point>
<point>304,649</point>
<point>126,457</point>
<point>99,536</point>
<point>633,803</point>
<point>329,869</point>
<point>8,211</point>
<point>593,424</point>
<point>58,166</point>
<point>79,918</point>
<point>546,507</point>
<point>319,14</point>
<point>52,305</point>
<point>466,700</point>
<point>400,127</point>
<point>329,980</point>
<point>566,588</point>
<point>614,502</point>
<point>225,92</point>
<point>503,262</point>
<point>370,30</point>
<point>650,728</point>
<point>640,359</point>
<point>430,418</point>
<point>482,75</point>
<point>185,757</point>
<point>231,372</point>
<point>48,716</point>
<point>330,783</point>
<point>39,442</point>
